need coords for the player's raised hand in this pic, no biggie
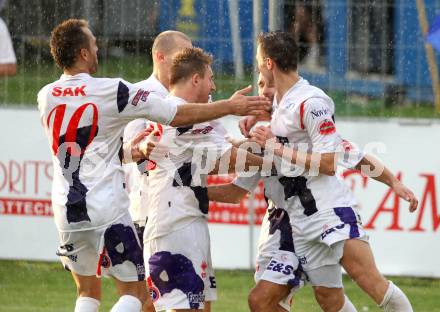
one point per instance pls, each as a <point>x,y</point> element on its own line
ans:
<point>403,192</point>
<point>261,135</point>
<point>243,105</point>
<point>148,145</point>
<point>131,148</point>
<point>246,124</point>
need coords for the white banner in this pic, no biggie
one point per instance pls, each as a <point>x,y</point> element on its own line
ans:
<point>403,243</point>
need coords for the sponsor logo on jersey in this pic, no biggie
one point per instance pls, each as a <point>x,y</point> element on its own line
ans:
<point>105,261</point>
<point>212,282</point>
<point>145,96</point>
<point>137,97</point>
<point>196,298</point>
<point>276,266</point>
<point>140,269</point>
<point>331,230</point>
<point>320,112</point>
<point>327,127</point>
<point>63,251</point>
<point>203,266</point>
<point>154,291</point>
<point>77,91</point>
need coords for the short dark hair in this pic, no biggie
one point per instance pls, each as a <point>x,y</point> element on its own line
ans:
<point>66,40</point>
<point>188,62</point>
<point>281,47</point>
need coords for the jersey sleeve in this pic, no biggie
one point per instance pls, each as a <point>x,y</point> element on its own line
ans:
<point>247,183</point>
<point>349,154</point>
<point>316,118</point>
<point>133,102</point>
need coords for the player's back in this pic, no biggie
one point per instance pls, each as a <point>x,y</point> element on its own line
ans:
<point>84,118</point>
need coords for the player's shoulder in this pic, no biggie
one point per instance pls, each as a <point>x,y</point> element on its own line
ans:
<point>146,83</point>
<point>101,82</point>
<point>44,92</point>
<point>152,84</point>
<point>306,97</point>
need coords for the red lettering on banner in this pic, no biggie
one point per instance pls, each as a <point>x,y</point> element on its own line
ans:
<point>428,192</point>
<point>14,176</point>
<point>25,207</point>
<point>394,210</point>
<point>236,213</point>
<point>351,172</point>
<point>24,178</point>
<point>5,176</point>
<point>47,171</point>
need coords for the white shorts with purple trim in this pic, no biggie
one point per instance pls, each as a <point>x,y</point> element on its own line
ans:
<point>315,235</point>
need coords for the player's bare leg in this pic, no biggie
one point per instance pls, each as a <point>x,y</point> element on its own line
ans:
<point>133,295</point>
<point>89,293</point>
<point>265,296</point>
<point>207,307</point>
<point>329,299</point>
<point>359,263</point>
<point>148,305</point>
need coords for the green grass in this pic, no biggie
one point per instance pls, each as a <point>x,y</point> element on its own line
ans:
<point>41,286</point>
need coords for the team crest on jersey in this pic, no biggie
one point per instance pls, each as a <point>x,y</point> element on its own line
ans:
<point>203,266</point>
<point>105,261</point>
<point>137,97</point>
<point>327,127</point>
<point>154,291</point>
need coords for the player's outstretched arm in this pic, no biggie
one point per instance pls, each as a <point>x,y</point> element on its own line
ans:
<point>373,168</point>
<point>322,162</point>
<point>239,160</point>
<point>226,193</point>
<point>238,104</point>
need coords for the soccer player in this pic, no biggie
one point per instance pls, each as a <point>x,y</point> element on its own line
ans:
<point>278,273</point>
<point>165,45</point>
<point>84,118</point>
<point>327,230</point>
<point>272,292</point>
<point>176,238</point>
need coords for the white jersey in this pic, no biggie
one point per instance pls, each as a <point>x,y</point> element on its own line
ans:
<point>7,55</point>
<point>84,119</point>
<point>304,117</point>
<point>136,174</point>
<point>175,196</point>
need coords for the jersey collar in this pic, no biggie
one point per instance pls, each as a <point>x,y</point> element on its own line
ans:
<point>77,76</point>
<point>159,84</point>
